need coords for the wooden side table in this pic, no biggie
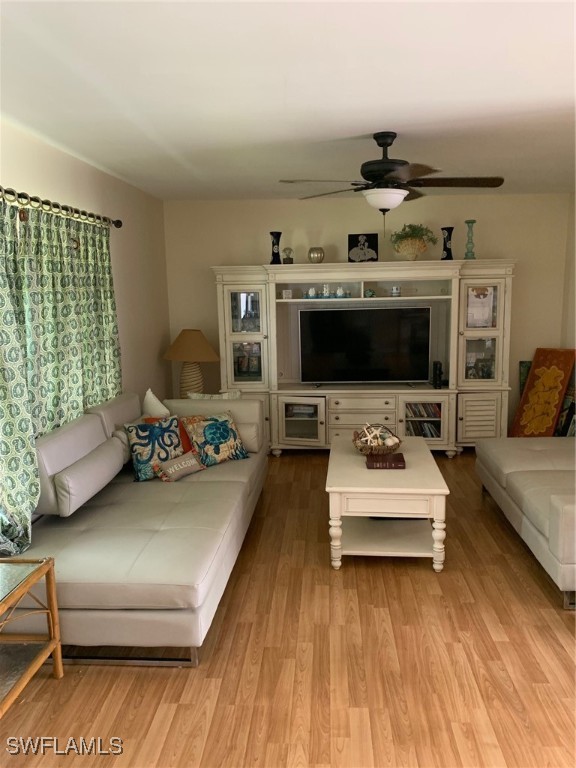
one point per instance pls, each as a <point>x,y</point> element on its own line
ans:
<point>22,655</point>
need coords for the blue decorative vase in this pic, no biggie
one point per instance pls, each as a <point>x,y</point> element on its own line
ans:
<point>447,244</point>
<point>276,247</point>
<point>470,239</point>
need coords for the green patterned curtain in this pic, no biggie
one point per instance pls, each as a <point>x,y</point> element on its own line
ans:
<point>57,294</point>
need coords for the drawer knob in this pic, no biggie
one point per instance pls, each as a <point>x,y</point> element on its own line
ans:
<point>336,402</point>
<point>336,418</point>
<point>386,402</point>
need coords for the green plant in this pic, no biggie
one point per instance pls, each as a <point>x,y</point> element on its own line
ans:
<point>413,231</point>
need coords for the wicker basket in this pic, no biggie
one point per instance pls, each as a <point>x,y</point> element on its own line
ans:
<point>378,449</point>
<point>410,248</point>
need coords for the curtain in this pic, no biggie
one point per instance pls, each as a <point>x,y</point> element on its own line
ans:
<point>60,353</point>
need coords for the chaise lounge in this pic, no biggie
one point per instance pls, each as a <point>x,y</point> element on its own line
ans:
<point>533,482</point>
<point>141,564</point>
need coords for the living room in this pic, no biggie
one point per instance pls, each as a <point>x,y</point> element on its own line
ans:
<point>162,259</point>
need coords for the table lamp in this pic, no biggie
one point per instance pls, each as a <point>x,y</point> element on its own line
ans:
<point>190,348</point>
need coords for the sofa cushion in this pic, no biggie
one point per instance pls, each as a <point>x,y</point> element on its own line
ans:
<point>248,415</point>
<point>184,436</point>
<point>176,469</point>
<point>503,455</point>
<point>151,443</point>
<point>215,438</point>
<point>60,448</point>
<point>81,480</point>
<point>233,394</point>
<point>533,491</point>
<point>144,545</point>
<point>152,406</point>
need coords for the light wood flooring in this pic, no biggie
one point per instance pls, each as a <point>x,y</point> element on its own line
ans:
<point>383,663</point>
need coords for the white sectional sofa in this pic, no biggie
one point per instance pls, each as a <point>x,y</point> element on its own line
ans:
<point>533,481</point>
<point>141,564</point>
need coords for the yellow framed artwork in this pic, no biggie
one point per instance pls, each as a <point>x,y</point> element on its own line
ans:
<point>543,395</point>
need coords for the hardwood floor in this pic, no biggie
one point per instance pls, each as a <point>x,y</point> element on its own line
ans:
<point>383,663</point>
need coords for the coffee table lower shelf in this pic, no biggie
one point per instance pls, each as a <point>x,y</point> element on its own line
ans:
<point>387,537</point>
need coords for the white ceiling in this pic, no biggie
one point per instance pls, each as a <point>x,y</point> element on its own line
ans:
<point>218,100</point>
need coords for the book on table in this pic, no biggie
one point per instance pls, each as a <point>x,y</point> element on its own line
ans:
<point>385,461</point>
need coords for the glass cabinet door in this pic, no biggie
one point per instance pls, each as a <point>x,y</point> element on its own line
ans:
<point>481,334</point>
<point>481,359</point>
<point>302,420</point>
<point>247,362</point>
<point>482,306</point>
<point>245,311</point>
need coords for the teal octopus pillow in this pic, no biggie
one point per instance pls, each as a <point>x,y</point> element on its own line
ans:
<point>152,444</point>
<point>215,438</point>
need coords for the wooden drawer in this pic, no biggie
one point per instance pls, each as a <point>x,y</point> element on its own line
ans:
<point>359,419</point>
<point>362,403</point>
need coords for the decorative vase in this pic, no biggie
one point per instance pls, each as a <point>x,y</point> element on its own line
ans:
<point>469,239</point>
<point>275,247</point>
<point>316,255</point>
<point>447,244</point>
<point>410,248</point>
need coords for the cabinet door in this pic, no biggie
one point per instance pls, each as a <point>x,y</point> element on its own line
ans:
<point>246,339</point>
<point>424,416</point>
<point>479,415</point>
<point>245,310</point>
<point>481,334</point>
<point>302,421</point>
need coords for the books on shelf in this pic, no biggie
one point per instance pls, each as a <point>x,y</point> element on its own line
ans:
<point>385,461</point>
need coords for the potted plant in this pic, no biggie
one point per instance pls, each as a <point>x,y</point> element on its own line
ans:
<point>412,240</point>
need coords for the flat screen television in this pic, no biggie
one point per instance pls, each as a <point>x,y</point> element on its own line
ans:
<point>356,345</point>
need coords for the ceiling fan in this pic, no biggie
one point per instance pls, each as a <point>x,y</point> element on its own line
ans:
<point>387,182</point>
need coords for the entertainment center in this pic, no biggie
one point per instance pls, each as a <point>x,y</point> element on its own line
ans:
<point>422,347</point>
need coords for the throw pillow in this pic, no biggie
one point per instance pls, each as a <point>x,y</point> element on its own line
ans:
<point>184,438</point>
<point>174,469</point>
<point>152,406</point>
<point>150,443</point>
<point>233,394</point>
<point>215,437</point>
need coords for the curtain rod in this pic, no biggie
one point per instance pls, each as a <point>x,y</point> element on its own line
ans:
<point>23,199</point>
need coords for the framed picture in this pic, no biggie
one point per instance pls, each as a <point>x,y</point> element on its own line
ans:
<point>363,247</point>
<point>542,400</point>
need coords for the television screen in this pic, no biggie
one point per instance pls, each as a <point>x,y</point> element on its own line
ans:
<point>354,345</point>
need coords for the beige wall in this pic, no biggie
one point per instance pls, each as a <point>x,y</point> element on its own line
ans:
<point>158,295</point>
<point>533,229</point>
<point>28,164</point>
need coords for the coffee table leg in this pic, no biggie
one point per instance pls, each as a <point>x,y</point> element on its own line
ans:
<point>335,530</point>
<point>439,534</point>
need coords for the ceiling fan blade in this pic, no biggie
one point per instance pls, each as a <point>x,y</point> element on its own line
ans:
<point>411,171</point>
<point>319,181</point>
<point>335,192</point>
<point>464,181</point>
<point>413,194</point>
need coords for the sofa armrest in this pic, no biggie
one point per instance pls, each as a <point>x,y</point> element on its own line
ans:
<point>562,530</point>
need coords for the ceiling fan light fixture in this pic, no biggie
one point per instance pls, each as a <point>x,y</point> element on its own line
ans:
<point>385,198</point>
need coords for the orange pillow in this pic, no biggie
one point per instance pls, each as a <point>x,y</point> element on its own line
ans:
<point>184,436</point>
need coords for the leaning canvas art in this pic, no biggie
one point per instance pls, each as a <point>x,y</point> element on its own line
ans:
<point>543,395</point>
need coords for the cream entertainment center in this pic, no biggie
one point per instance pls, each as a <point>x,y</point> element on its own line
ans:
<point>421,347</point>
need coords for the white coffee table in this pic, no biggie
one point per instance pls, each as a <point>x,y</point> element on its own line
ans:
<point>386,512</point>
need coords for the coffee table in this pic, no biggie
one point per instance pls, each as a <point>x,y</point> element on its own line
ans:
<point>386,512</point>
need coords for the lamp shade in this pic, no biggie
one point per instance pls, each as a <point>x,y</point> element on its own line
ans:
<point>190,346</point>
<point>384,198</point>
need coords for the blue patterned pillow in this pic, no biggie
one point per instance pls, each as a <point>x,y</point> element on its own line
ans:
<point>215,438</point>
<point>153,443</point>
